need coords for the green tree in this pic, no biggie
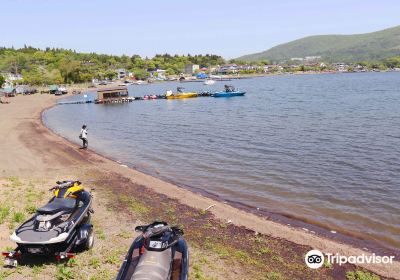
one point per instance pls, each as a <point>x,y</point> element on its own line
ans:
<point>2,80</point>
<point>171,71</point>
<point>110,74</point>
<point>140,74</point>
<point>33,77</point>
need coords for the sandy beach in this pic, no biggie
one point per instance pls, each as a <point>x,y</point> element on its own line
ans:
<point>34,157</point>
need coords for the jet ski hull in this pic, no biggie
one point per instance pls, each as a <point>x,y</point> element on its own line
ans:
<point>143,264</point>
<point>49,232</point>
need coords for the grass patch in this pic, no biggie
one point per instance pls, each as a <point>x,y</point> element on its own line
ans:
<point>4,274</point>
<point>18,217</point>
<point>244,257</point>
<point>37,269</point>
<point>4,212</point>
<point>72,262</point>
<point>274,276</point>
<point>64,272</point>
<point>9,249</point>
<point>15,182</point>
<point>30,209</point>
<point>113,259</point>
<point>33,195</point>
<point>328,265</point>
<point>208,226</point>
<point>263,251</point>
<point>202,212</point>
<point>103,274</point>
<point>95,263</point>
<point>198,274</point>
<point>100,234</point>
<point>361,275</point>
<point>221,251</point>
<point>125,234</point>
<point>277,258</point>
<point>135,205</point>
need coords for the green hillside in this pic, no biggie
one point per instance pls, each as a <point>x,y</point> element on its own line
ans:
<point>334,48</point>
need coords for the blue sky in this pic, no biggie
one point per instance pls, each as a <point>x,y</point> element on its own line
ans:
<point>228,28</point>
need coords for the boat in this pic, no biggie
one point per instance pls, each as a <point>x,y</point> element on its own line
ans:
<point>228,92</point>
<point>58,228</point>
<point>209,82</point>
<point>159,252</point>
<point>180,94</point>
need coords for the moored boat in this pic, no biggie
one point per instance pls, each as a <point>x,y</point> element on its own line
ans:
<point>209,82</point>
<point>180,94</point>
<point>228,92</point>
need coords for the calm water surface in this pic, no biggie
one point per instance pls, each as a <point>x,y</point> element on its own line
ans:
<point>322,148</point>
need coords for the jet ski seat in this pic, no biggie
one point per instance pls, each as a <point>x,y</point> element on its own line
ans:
<point>57,205</point>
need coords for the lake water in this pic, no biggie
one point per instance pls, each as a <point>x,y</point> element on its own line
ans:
<point>321,148</point>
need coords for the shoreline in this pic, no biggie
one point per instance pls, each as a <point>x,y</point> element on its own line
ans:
<point>340,235</point>
<point>35,140</point>
<point>286,226</point>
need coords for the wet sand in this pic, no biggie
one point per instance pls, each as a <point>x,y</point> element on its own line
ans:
<point>31,150</point>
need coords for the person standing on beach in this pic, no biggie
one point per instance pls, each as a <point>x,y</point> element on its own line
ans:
<point>83,137</point>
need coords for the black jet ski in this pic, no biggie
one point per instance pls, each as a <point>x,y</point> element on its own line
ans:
<point>58,228</point>
<point>160,252</point>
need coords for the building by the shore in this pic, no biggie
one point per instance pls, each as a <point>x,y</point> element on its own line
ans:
<point>112,94</point>
<point>191,68</point>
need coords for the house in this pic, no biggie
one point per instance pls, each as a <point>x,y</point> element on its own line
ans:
<point>112,94</point>
<point>191,68</point>
<point>340,67</point>
<point>272,68</point>
<point>11,76</point>
<point>121,74</point>
<point>159,74</point>
<point>247,67</point>
<point>228,68</point>
<point>297,59</point>
<point>312,58</point>
<point>359,68</point>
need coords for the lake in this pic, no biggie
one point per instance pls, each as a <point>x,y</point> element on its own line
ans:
<point>321,148</point>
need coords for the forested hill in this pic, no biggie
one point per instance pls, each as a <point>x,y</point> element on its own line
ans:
<point>336,48</point>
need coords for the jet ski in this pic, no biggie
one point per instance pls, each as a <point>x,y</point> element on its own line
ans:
<point>160,252</point>
<point>59,228</point>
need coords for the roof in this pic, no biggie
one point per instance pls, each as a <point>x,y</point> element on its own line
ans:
<point>112,89</point>
<point>7,90</point>
<point>112,92</point>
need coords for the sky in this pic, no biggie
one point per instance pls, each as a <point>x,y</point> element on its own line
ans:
<point>227,28</point>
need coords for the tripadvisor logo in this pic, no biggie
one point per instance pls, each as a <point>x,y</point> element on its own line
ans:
<point>315,259</point>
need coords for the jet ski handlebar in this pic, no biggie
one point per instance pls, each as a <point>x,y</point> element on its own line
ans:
<point>158,228</point>
<point>64,184</point>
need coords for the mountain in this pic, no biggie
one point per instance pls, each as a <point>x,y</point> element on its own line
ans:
<point>336,48</point>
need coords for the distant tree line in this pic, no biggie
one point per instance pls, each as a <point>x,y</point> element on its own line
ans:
<point>55,66</point>
<point>59,66</point>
